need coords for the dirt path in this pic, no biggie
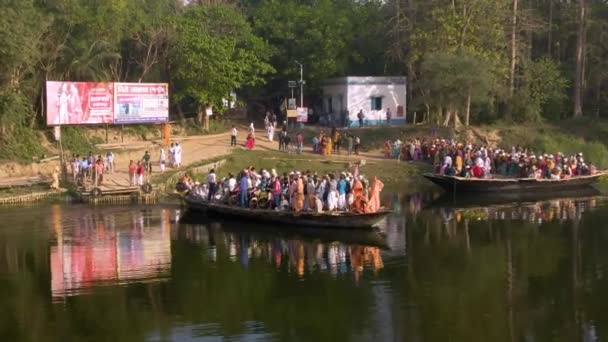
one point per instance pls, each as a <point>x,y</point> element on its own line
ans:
<point>195,148</point>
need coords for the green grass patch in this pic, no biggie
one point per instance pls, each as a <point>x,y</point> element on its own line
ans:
<point>170,177</point>
<point>76,141</point>
<point>146,132</point>
<point>23,190</point>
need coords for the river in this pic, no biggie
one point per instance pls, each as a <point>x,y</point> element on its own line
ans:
<point>434,272</point>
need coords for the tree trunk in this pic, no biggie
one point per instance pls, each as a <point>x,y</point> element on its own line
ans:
<point>580,50</point>
<point>448,116</point>
<point>457,122</point>
<point>598,98</point>
<point>200,116</point>
<point>180,113</point>
<point>513,49</point>
<point>468,109</point>
<point>550,34</point>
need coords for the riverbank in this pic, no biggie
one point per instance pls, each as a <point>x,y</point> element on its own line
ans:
<point>571,136</point>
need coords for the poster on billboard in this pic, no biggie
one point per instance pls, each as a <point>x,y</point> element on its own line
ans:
<point>302,115</point>
<point>79,103</point>
<point>141,103</point>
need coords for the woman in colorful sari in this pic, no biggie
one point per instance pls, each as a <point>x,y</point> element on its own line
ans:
<point>322,143</point>
<point>299,194</point>
<point>250,143</point>
<point>387,149</point>
<point>458,164</point>
<point>360,202</point>
<point>328,146</point>
<point>374,198</point>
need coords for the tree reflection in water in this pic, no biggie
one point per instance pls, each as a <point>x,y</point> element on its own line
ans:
<point>522,272</point>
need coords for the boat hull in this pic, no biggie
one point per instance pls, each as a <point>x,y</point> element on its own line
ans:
<point>477,185</point>
<point>288,218</point>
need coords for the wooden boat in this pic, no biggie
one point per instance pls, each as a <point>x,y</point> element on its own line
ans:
<point>289,218</point>
<point>476,185</point>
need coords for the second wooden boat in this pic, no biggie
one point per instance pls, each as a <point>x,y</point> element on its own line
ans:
<point>477,185</point>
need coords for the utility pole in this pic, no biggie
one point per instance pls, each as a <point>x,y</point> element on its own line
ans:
<point>301,83</point>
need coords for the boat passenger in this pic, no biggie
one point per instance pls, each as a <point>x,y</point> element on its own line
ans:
<point>342,192</point>
<point>244,189</point>
<point>310,193</point>
<point>211,184</point>
<point>332,198</point>
<point>277,191</point>
<point>359,200</point>
<point>319,194</point>
<point>299,194</point>
<point>376,187</point>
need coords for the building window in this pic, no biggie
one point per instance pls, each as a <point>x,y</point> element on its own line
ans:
<point>376,103</point>
<point>330,105</point>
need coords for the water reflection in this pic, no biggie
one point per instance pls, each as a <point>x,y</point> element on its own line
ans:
<point>108,248</point>
<point>526,271</point>
<point>297,256</point>
<point>559,210</point>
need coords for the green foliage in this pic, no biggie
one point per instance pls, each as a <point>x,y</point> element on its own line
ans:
<point>17,140</point>
<point>451,78</point>
<point>215,53</point>
<point>594,152</point>
<point>76,141</point>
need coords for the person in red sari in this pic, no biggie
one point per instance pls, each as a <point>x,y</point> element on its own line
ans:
<point>250,142</point>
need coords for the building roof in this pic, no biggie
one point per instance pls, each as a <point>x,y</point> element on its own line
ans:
<point>363,80</point>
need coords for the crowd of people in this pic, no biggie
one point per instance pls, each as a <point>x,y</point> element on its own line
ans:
<point>92,169</point>
<point>324,144</point>
<point>452,158</point>
<point>290,191</point>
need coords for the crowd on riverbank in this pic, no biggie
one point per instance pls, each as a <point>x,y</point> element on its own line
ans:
<point>294,191</point>
<point>322,143</point>
<point>452,158</point>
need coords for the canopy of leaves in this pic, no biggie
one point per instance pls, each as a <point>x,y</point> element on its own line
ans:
<point>216,53</point>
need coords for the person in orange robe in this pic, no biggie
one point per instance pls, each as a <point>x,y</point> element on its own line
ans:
<point>299,195</point>
<point>360,202</point>
<point>374,197</point>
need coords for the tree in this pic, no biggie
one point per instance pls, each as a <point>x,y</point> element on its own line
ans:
<point>580,59</point>
<point>215,53</point>
<point>457,81</point>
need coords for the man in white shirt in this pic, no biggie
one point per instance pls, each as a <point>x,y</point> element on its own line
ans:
<point>178,155</point>
<point>110,162</point>
<point>233,133</point>
<point>212,183</point>
<point>231,182</point>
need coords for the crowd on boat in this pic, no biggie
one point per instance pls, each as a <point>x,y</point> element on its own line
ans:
<point>295,191</point>
<point>452,158</point>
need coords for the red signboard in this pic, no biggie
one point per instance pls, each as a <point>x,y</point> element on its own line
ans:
<point>79,103</point>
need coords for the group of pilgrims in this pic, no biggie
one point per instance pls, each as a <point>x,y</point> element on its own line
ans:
<point>295,191</point>
<point>452,158</point>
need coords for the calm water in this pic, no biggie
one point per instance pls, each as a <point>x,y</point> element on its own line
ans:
<point>437,272</point>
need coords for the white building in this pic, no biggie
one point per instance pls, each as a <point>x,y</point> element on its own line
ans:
<point>373,95</point>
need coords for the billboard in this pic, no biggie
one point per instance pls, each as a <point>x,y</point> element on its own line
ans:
<point>90,103</point>
<point>141,102</point>
<point>79,103</point>
<point>302,114</point>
